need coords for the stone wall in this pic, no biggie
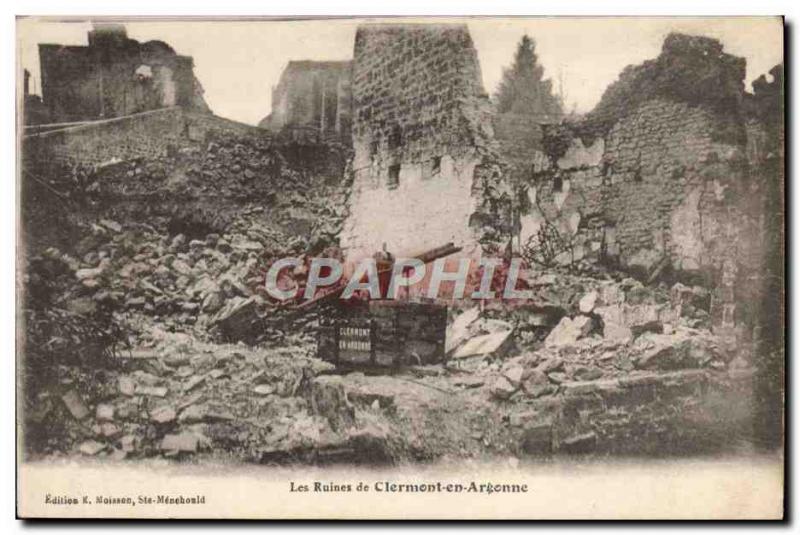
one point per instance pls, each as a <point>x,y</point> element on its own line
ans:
<point>424,157</point>
<point>657,186</point>
<point>143,135</point>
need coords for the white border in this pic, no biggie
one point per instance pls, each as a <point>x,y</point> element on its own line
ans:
<point>303,8</point>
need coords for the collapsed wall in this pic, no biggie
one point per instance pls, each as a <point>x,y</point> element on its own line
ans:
<point>424,170</point>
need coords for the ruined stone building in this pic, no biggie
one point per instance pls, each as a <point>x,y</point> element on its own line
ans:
<point>115,76</point>
<point>312,99</point>
<point>653,171</point>
<point>669,176</point>
<point>658,178</point>
<point>425,169</point>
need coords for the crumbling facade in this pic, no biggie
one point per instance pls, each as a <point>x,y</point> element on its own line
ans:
<point>312,99</point>
<point>115,76</point>
<point>424,169</point>
<point>657,178</point>
<point>652,174</point>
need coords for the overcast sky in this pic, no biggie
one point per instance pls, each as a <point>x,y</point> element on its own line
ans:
<point>238,61</point>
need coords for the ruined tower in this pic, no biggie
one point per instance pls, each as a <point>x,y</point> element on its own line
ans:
<point>424,170</point>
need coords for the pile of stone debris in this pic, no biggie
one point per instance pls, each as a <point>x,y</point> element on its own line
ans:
<point>213,285</point>
<point>181,396</point>
<point>583,329</point>
<point>193,280</point>
<point>177,394</point>
<point>210,363</point>
<point>223,168</point>
<point>217,368</point>
<point>191,265</point>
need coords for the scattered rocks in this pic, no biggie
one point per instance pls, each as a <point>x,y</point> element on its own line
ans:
<point>568,331</point>
<point>687,299</point>
<point>614,331</point>
<point>194,382</point>
<point>128,443</point>
<point>264,390</point>
<point>458,329</point>
<point>502,388</point>
<point>155,391</point>
<point>91,447</point>
<point>484,338</point>
<point>537,438</point>
<point>126,385</point>
<point>587,373</point>
<point>550,364</point>
<point>654,326</point>
<point>239,319</point>
<point>213,283</point>
<point>581,443</point>
<point>329,400</point>
<point>163,415</point>
<point>514,374</point>
<point>105,412</point>
<point>682,349</point>
<point>75,405</point>
<point>470,382</point>
<point>183,442</point>
<point>193,414</point>
<point>176,360</point>
<point>587,303</point>
<point>109,430</point>
<point>558,377</point>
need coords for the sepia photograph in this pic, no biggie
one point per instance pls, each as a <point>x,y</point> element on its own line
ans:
<point>400,268</point>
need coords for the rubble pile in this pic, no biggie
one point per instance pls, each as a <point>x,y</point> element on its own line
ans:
<point>603,365</point>
<point>198,190</point>
<point>220,167</point>
<point>61,333</point>
<point>566,306</point>
<point>186,238</point>
<point>176,392</point>
<point>586,330</point>
<point>180,384</point>
<point>142,254</point>
<point>171,386</point>
<point>592,358</point>
<point>303,201</point>
<point>174,396</point>
<point>211,284</point>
